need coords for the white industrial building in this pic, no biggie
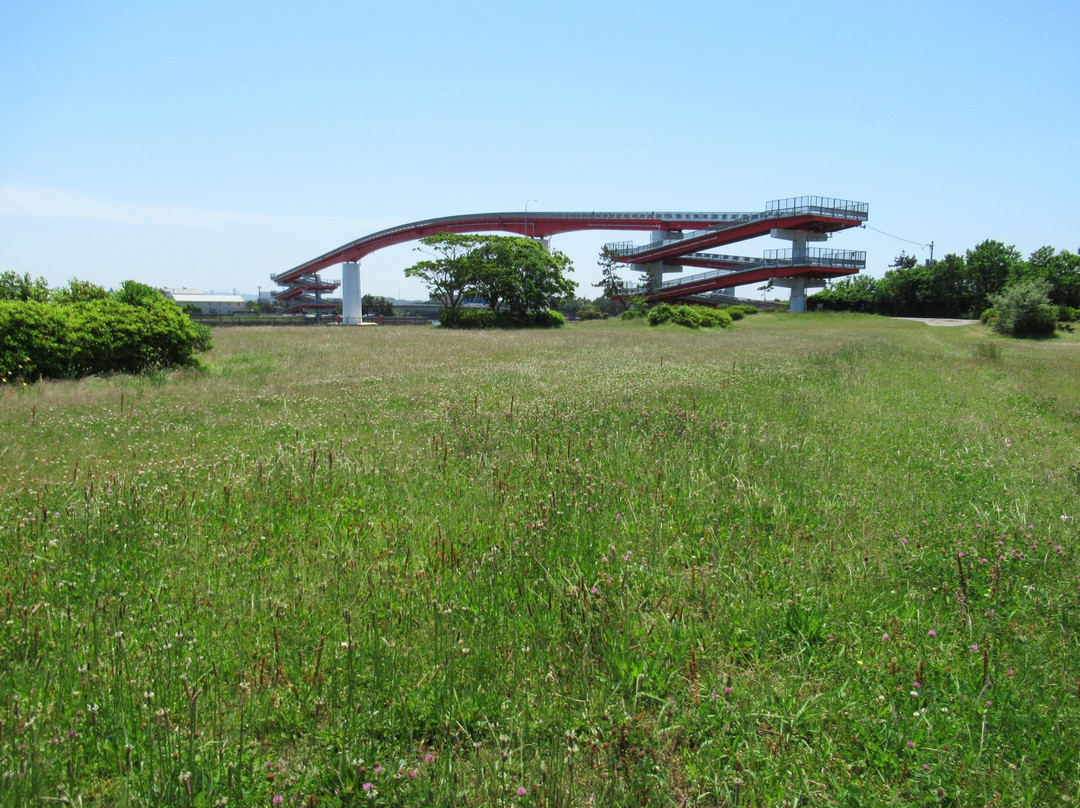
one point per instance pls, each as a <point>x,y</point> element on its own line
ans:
<point>207,303</point>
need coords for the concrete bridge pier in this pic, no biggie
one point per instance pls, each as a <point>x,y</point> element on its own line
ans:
<point>657,269</point>
<point>798,286</point>
<point>351,313</point>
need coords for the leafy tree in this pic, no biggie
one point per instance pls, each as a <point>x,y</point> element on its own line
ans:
<point>989,267</point>
<point>904,261</point>
<point>372,304</point>
<point>449,275</point>
<point>611,285</point>
<point>511,273</point>
<point>1061,270</point>
<point>520,275</point>
<point>856,293</point>
<point>77,292</point>
<point>22,287</point>
<point>1024,309</point>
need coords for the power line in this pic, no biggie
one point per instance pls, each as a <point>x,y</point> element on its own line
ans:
<point>890,235</point>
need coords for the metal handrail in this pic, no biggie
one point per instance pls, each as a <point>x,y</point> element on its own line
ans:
<point>858,262</point>
<point>776,209</point>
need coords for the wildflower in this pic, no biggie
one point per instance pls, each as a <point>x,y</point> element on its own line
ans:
<point>521,792</point>
<point>378,768</point>
<point>278,799</point>
<point>911,744</point>
<point>974,647</point>
<point>932,633</point>
<point>428,757</point>
<point>885,636</point>
<point>368,786</point>
<point>411,773</point>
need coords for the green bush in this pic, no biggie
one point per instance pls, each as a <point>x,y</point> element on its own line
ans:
<point>486,318</point>
<point>547,319</point>
<point>661,313</point>
<point>1067,314</point>
<point>468,318</point>
<point>591,312</point>
<point>132,331</point>
<point>689,316</point>
<point>715,318</point>
<point>988,317</point>
<point>1024,309</point>
<point>734,312</point>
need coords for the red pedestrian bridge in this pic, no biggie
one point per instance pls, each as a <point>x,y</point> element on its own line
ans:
<point>678,240</point>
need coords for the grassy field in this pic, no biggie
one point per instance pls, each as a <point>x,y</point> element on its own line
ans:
<point>811,560</point>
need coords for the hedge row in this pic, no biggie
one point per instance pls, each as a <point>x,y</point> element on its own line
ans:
<point>486,318</point>
<point>689,316</point>
<point>134,330</point>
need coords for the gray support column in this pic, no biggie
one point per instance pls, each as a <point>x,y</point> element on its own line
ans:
<point>351,313</point>
<point>798,239</point>
<point>798,295</point>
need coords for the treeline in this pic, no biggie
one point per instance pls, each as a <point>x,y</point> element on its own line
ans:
<point>81,330</point>
<point>958,286</point>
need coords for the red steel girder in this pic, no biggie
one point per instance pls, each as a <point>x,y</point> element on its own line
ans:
<point>746,277</point>
<point>539,225</point>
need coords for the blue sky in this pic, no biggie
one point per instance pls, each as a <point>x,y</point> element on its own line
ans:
<point>212,144</point>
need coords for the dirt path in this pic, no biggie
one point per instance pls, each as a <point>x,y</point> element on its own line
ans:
<point>937,320</point>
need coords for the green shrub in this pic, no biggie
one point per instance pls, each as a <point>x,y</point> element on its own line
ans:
<point>715,318</point>
<point>1024,309</point>
<point>591,312</point>
<point>661,313</point>
<point>1067,314</point>
<point>468,318</point>
<point>689,316</point>
<point>734,312</point>
<point>988,317</point>
<point>547,319</point>
<point>486,318</point>
<point>633,314</point>
<point>131,331</point>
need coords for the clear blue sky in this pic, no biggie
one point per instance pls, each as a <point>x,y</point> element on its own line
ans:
<point>212,144</point>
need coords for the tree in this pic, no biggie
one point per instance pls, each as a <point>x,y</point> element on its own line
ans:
<point>449,275</point>
<point>610,283</point>
<point>372,304</point>
<point>22,287</point>
<point>1024,309</point>
<point>520,275</point>
<point>857,293</point>
<point>1061,270</point>
<point>904,261</point>
<point>510,273</point>
<point>78,292</point>
<point>989,267</point>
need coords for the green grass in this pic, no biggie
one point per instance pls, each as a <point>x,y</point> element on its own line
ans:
<point>811,560</point>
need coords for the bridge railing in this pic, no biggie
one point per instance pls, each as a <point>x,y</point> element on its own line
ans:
<point>818,257</point>
<point>777,209</point>
<point>826,205</point>
<point>832,259</point>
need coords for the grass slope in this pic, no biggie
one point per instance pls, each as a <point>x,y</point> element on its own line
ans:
<point>816,559</point>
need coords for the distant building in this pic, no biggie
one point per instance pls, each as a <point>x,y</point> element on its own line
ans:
<point>207,303</point>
